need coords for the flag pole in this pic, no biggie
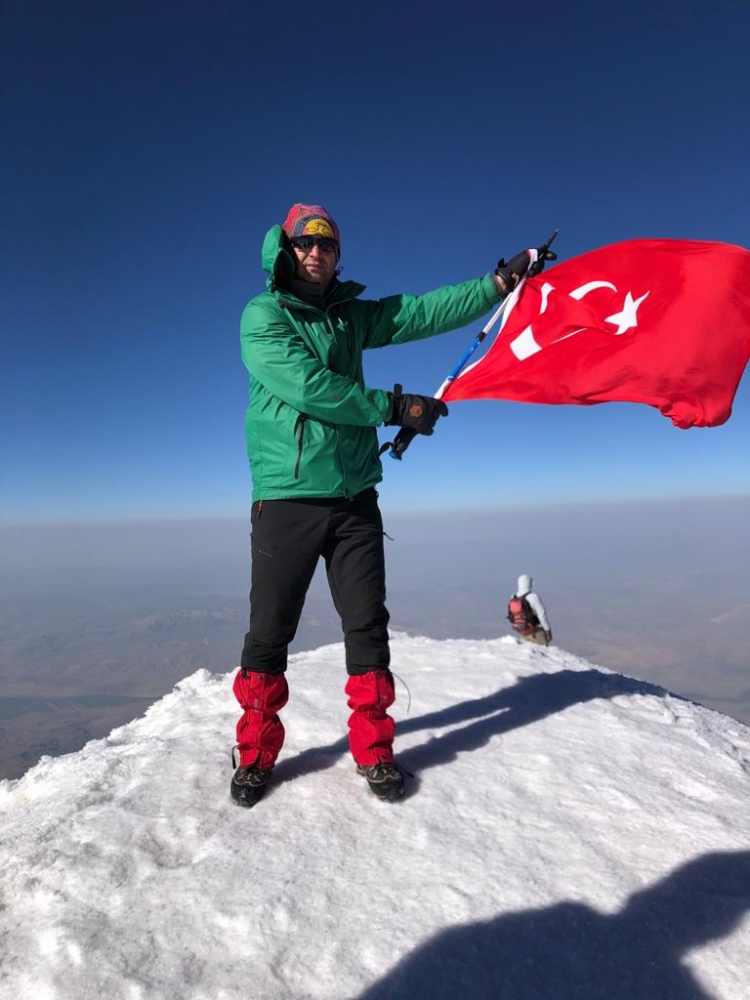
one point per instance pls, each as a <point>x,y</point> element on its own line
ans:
<point>406,435</point>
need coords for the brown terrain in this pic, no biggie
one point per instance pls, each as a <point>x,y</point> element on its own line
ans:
<point>651,595</point>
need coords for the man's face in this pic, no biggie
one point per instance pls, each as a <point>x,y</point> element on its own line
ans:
<point>316,259</point>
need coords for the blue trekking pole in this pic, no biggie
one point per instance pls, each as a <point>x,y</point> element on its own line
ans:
<point>406,435</point>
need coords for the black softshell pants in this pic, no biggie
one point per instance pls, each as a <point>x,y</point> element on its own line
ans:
<point>288,539</point>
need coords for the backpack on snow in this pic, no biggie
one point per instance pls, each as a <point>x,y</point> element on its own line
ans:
<point>521,615</point>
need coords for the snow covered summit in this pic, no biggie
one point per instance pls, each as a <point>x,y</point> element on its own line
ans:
<point>568,833</point>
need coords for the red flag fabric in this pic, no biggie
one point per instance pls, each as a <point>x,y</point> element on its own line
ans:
<point>663,322</point>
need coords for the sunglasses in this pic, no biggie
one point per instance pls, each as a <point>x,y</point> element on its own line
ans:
<point>307,243</point>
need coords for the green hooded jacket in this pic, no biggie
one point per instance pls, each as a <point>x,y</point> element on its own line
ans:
<point>311,420</point>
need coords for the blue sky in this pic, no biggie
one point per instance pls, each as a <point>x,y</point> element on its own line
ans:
<point>148,147</point>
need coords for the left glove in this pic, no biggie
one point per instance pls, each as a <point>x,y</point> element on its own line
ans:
<point>416,413</point>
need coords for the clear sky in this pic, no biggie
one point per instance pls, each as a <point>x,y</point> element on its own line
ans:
<point>148,147</point>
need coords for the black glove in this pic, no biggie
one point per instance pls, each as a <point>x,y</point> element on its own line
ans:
<point>521,265</point>
<point>417,413</point>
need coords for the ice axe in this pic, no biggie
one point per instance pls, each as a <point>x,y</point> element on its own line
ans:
<point>539,256</point>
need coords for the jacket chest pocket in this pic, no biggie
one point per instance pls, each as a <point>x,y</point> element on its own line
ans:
<point>340,355</point>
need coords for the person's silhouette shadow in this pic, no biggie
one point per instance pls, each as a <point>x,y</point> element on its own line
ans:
<point>571,952</point>
<point>531,698</point>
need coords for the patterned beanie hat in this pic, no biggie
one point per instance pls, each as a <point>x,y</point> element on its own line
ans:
<point>310,220</point>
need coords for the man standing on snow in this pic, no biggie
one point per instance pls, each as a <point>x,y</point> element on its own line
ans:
<point>527,614</point>
<point>313,450</point>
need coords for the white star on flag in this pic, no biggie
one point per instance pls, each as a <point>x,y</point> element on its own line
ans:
<point>626,318</point>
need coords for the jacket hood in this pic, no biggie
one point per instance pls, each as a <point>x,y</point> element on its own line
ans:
<point>277,257</point>
<point>524,585</point>
<point>278,260</point>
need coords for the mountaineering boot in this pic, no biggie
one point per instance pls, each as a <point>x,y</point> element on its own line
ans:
<point>249,785</point>
<point>386,780</point>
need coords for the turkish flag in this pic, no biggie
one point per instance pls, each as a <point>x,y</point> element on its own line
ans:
<point>663,322</point>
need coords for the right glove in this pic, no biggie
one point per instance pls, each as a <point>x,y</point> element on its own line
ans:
<point>548,635</point>
<point>417,413</point>
<point>520,265</point>
<point>512,272</point>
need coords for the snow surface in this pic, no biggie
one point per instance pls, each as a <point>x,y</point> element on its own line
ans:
<point>568,833</point>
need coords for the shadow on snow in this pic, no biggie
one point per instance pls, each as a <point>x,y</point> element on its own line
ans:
<point>532,698</point>
<point>571,952</point>
<point>568,951</point>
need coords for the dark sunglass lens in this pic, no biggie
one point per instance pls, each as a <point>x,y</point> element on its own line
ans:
<point>306,246</point>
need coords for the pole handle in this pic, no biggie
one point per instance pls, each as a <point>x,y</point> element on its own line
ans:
<point>401,442</point>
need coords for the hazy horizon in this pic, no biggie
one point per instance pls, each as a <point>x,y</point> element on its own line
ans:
<point>98,620</point>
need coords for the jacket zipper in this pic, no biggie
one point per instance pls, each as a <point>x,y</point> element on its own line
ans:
<point>299,432</point>
<point>342,464</point>
<point>299,428</point>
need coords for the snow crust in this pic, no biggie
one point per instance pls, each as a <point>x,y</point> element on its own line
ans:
<point>569,832</point>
